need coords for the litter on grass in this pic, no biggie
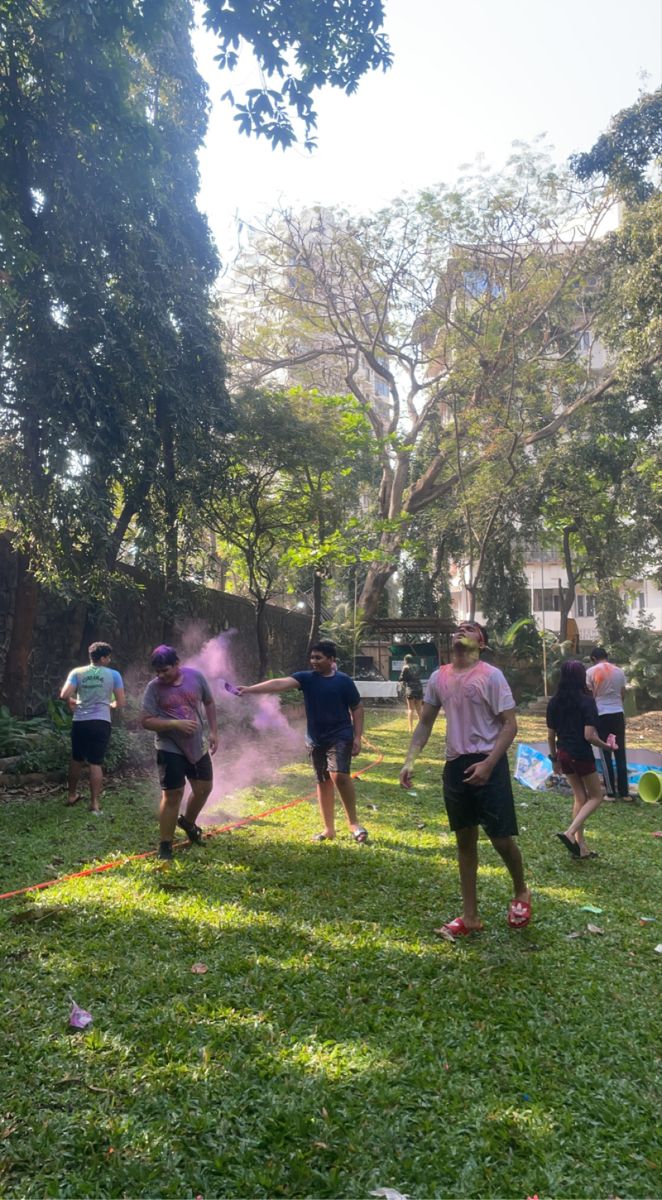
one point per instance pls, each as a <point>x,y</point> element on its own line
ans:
<point>199,969</point>
<point>594,929</point>
<point>79,1018</point>
<point>390,1194</point>
<point>591,908</point>
<point>658,948</point>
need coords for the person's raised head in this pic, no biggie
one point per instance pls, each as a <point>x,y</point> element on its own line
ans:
<point>468,640</point>
<point>409,658</point>
<point>598,654</point>
<point>98,651</point>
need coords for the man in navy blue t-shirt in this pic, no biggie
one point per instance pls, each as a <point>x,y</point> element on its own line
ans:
<point>334,717</point>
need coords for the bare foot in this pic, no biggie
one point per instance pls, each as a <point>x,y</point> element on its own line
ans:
<point>70,801</point>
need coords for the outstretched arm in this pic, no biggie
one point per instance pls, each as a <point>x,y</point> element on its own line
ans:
<point>419,739</point>
<point>268,685</point>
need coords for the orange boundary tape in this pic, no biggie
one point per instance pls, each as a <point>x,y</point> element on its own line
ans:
<point>212,832</point>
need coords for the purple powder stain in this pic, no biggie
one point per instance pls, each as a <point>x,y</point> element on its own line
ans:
<point>229,687</point>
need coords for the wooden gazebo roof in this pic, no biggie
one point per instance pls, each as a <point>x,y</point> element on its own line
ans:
<point>416,629</point>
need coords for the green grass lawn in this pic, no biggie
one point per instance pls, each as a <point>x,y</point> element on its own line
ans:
<point>334,1046</point>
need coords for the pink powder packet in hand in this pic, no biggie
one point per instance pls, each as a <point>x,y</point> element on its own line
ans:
<point>229,687</point>
<point>611,741</point>
<point>79,1018</point>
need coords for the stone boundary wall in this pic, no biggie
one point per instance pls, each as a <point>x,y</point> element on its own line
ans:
<point>134,619</point>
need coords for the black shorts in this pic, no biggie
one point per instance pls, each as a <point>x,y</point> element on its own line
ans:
<point>491,805</point>
<point>336,759</point>
<point>175,769</point>
<point>89,741</point>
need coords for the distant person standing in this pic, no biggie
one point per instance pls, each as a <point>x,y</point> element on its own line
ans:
<point>91,692</point>
<point>608,683</point>
<point>410,678</point>
<point>172,707</point>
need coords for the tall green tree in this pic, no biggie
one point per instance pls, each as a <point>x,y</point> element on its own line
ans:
<point>468,305</point>
<point>112,376</point>
<point>287,497</point>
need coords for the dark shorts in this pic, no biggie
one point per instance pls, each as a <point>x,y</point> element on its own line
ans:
<point>575,766</point>
<point>413,693</point>
<point>89,741</point>
<point>175,769</point>
<point>491,806</point>
<point>335,759</point>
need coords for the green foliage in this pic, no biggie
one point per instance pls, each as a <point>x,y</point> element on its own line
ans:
<point>524,639</point>
<point>640,655</point>
<point>301,46</point>
<point>51,751</point>
<point>17,735</point>
<point>112,377</point>
<point>503,594</point>
<point>347,628</point>
<point>626,152</point>
<point>466,306</point>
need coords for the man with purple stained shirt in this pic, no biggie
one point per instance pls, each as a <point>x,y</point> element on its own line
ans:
<point>172,707</point>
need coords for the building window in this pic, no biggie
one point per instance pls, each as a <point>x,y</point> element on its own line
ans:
<point>579,605</point>
<point>590,606</point>
<point>641,600</point>
<point>551,600</point>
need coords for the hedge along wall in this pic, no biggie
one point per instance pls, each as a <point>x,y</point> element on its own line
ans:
<point>136,617</point>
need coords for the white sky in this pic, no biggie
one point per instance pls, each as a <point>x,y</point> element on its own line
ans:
<point>469,77</point>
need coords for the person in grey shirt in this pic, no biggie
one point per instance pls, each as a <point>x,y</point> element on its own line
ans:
<point>91,692</point>
<point>173,706</point>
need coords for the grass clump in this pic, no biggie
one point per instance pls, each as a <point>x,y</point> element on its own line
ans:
<point>334,1046</point>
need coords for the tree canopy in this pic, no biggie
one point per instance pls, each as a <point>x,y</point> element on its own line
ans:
<point>299,46</point>
<point>471,307</point>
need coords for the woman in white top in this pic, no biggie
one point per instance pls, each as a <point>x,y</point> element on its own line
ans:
<point>608,684</point>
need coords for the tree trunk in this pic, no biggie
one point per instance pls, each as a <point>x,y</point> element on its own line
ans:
<point>169,493</point>
<point>373,589</point>
<point>131,506</point>
<point>316,618</point>
<point>566,594</point>
<point>17,664</point>
<point>261,634</point>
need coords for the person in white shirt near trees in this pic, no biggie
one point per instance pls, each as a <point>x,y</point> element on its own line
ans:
<point>480,727</point>
<point>608,683</point>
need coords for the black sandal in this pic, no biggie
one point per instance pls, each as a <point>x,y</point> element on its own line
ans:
<point>569,845</point>
<point>192,831</point>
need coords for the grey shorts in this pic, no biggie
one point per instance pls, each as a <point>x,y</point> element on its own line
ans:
<point>334,759</point>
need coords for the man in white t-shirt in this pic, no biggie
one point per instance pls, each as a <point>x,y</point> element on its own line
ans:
<point>608,684</point>
<point>480,727</point>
